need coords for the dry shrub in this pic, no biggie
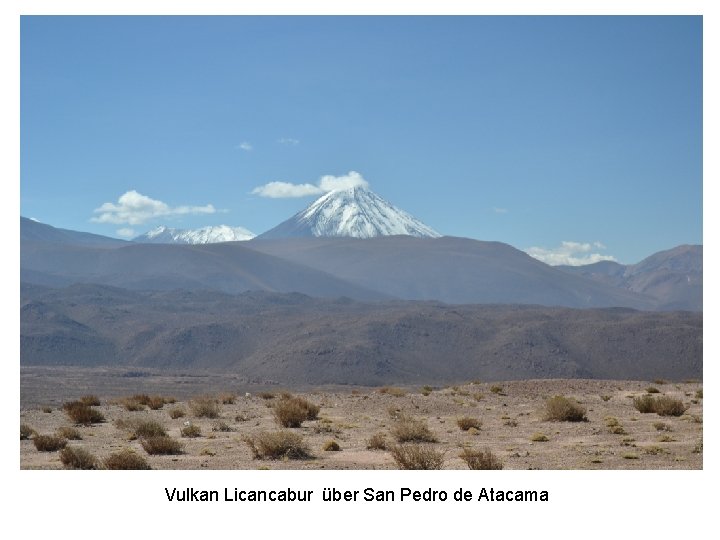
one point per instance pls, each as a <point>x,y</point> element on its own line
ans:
<point>292,411</point>
<point>652,390</point>
<point>467,422</point>
<point>148,428</point>
<point>426,390</point>
<point>80,413</point>
<point>26,432</point>
<point>90,400</point>
<point>331,446</point>
<point>539,437</point>
<point>132,405</point>
<point>277,445</point>
<point>69,433</point>
<point>126,460</point>
<point>46,409</point>
<point>667,406</point>
<point>176,413</point>
<point>77,458</point>
<point>221,426</point>
<point>408,429</point>
<point>699,394</point>
<point>662,405</point>
<point>481,460</point>
<point>205,407</point>
<point>190,431</point>
<point>49,443</point>
<point>392,391</point>
<point>143,399</point>
<point>417,457</point>
<point>661,426</point>
<point>156,402</point>
<point>377,442</point>
<point>227,398</point>
<point>267,395</point>
<point>161,445</point>
<point>605,397</point>
<point>496,389</point>
<point>562,409</point>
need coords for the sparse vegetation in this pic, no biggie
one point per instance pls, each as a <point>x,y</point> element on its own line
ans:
<point>277,445</point>
<point>73,457</point>
<point>80,413</point>
<point>161,445</point>
<point>126,460</point>
<point>408,429</point>
<point>660,381</point>
<point>417,457</point>
<point>467,422</point>
<point>661,426</point>
<point>539,437</point>
<point>496,389</point>
<point>377,442</point>
<point>666,438</point>
<point>132,405</point>
<point>205,407</point>
<point>46,409</point>
<point>652,390</point>
<point>191,431</point>
<point>292,411</point>
<point>481,460</point>
<point>156,402</point>
<point>267,395</point>
<point>49,443</point>
<point>426,390</point>
<point>69,433</point>
<point>605,397</point>
<point>699,393</point>
<point>562,409</point>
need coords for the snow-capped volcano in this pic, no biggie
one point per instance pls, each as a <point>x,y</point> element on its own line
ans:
<point>356,212</point>
<point>204,235</point>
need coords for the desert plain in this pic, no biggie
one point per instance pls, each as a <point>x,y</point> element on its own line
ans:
<point>507,418</point>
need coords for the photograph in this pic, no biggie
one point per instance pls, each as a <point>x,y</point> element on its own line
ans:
<point>370,242</point>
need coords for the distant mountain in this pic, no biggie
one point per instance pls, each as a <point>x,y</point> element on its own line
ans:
<point>449,269</point>
<point>34,231</point>
<point>356,212</point>
<point>673,278</point>
<point>293,339</point>
<point>205,235</point>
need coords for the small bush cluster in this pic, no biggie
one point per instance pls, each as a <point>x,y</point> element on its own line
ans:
<point>69,433</point>
<point>49,443</point>
<point>417,457</point>
<point>139,401</point>
<point>90,400</point>
<point>662,405</point>
<point>562,409</point>
<point>392,391</point>
<point>539,437</point>
<point>496,389</point>
<point>426,390</point>
<point>331,446</point>
<point>652,390</point>
<point>481,460</point>
<point>26,432</point>
<point>292,411</point>
<point>377,442</point>
<point>221,426</point>
<point>126,460</point>
<point>408,429</point>
<point>148,428</point>
<point>205,407</point>
<point>227,398</point>
<point>161,445</point>
<point>190,431</point>
<point>467,422</point>
<point>176,412</point>
<point>80,413</point>
<point>266,395</point>
<point>277,445</point>
<point>77,458</point>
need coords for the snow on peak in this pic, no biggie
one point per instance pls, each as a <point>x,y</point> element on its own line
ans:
<point>355,212</point>
<point>205,235</point>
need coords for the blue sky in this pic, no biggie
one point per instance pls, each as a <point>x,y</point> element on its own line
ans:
<point>528,130</point>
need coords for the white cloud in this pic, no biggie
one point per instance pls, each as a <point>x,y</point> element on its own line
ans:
<point>126,232</point>
<point>286,190</point>
<point>280,190</point>
<point>570,253</point>
<point>500,210</point>
<point>289,141</point>
<point>133,208</point>
<point>245,146</point>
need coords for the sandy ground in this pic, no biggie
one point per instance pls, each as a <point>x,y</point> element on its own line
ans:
<point>510,417</point>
